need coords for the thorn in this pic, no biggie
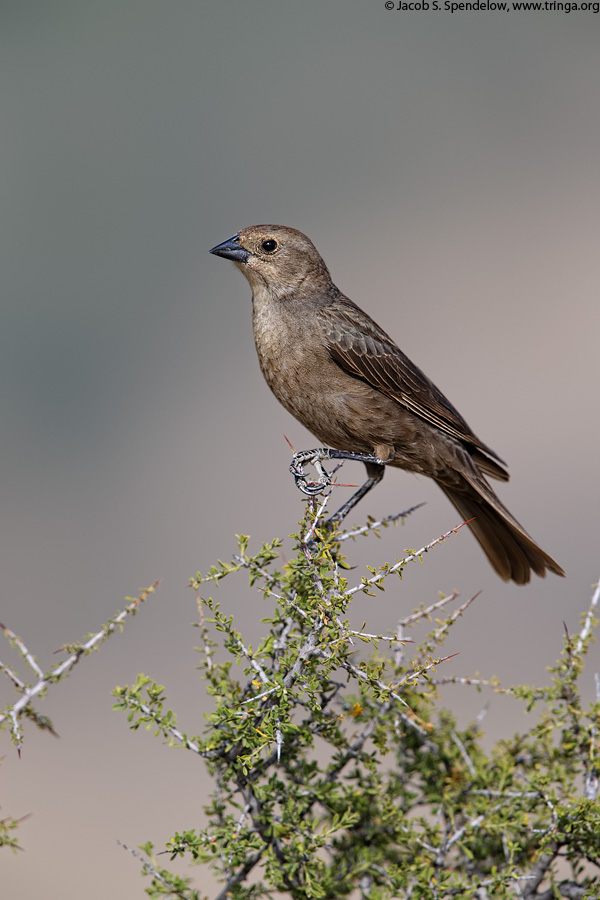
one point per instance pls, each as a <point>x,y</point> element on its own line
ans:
<point>462,525</point>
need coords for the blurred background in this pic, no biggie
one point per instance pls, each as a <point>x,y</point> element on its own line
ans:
<point>446,166</point>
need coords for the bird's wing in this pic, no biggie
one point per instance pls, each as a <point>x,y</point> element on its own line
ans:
<point>362,349</point>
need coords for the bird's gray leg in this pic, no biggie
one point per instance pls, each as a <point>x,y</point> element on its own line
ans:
<point>375,472</point>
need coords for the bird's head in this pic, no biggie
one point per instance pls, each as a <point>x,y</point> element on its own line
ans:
<point>279,259</point>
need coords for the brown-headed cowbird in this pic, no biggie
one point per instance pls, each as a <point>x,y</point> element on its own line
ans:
<point>345,379</point>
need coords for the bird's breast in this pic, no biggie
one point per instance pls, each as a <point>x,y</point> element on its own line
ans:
<point>296,363</point>
<point>290,354</point>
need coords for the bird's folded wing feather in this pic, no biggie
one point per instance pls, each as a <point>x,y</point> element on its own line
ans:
<point>363,350</point>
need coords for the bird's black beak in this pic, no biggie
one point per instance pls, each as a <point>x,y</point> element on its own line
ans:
<point>231,250</point>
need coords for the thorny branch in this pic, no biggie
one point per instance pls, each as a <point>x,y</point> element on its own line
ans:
<point>384,573</point>
<point>587,625</point>
<point>149,868</point>
<point>372,526</point>
<point>265,817</point>
<point>45,680</point>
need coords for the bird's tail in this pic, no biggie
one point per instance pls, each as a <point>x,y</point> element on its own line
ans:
<point>510,550</point>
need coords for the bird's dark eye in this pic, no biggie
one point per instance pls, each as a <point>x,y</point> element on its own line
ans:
<point>269,246</point>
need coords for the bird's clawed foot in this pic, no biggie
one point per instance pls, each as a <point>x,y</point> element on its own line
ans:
<point>314,457</point>
<point>375,469</point>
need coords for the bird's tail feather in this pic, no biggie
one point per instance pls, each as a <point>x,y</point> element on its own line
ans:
<point>510,550</point>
